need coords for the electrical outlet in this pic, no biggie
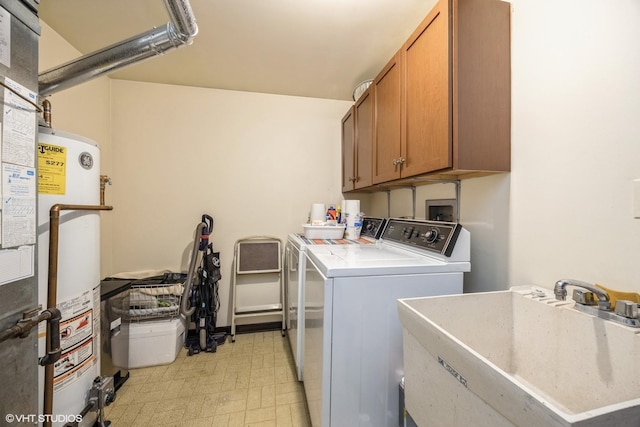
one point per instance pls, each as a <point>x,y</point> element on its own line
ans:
<point>636,198</point>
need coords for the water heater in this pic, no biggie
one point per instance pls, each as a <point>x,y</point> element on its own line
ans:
<point>69,173</point>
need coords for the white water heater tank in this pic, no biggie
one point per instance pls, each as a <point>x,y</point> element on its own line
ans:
<point>69,173</point>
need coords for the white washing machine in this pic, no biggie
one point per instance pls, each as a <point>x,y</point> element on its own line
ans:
<point>352,359</point>
<point>295,264</point>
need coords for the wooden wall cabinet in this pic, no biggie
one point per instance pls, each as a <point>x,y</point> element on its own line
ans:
<point>357,136</point>
<point>348,149</point>
<point>442,104</point>
<point>387,90</point>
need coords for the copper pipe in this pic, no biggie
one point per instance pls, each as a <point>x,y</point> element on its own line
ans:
<point>24,326</point>
<point>104,180</point>
<point>52,287</point>
<point>46,107</point>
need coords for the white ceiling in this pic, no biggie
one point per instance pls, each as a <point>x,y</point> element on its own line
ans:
<point>312,48</point>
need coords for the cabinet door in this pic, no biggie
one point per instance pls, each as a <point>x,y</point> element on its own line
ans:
<point>364,139</point>
<point>387,119</point>
<point>348,141</point>
<point>426,143</point>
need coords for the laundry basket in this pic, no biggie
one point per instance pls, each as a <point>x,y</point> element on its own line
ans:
<point>153,331</point>
<point>149,302</point>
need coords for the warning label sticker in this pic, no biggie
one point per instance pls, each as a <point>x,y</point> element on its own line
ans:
<point>76,329</point>
<point>72,364</point>
<point>78,339</point>
<point>52,169</point>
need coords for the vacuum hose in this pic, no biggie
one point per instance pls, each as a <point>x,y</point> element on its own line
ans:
<point>184,304</point>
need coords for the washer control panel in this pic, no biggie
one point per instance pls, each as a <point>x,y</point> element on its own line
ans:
<point>435,236</point>
<point>372,227</point>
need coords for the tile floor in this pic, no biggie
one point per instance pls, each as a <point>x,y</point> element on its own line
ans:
<point>251,382</point>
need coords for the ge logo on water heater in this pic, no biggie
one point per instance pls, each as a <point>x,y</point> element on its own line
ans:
<point>86,160</point>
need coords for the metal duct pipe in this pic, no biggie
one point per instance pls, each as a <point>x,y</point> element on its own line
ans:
<point>179,31</point>
<point>182,18</point>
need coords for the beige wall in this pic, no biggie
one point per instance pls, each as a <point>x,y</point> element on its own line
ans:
<point>254,162</point>
<point>576,145</point>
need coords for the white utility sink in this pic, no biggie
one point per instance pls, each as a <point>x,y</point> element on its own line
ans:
<point>517,357</point>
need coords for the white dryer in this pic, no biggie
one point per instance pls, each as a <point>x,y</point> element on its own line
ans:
<point>295,264</point>
<point>352,358</point>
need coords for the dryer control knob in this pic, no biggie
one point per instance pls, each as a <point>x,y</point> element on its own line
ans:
<point>431,236</point>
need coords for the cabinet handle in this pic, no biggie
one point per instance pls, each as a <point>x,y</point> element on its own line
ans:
<point>399,161</point>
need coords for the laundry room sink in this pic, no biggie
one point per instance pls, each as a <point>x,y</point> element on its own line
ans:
<point>517,357</point>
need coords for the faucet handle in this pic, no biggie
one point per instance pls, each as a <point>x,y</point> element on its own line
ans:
<point>589,298</point>
<point>584,297</point>
<point>628,309</point>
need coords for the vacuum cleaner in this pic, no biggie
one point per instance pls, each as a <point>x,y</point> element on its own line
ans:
<point>200,300</point>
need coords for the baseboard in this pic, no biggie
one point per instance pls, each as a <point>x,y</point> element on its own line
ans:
<point>252,327</point>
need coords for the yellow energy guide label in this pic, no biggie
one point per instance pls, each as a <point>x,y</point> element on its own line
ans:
<point>52,169</point>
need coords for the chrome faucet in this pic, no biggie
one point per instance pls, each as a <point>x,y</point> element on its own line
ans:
<point>626,312</point>
<point>560,290</point>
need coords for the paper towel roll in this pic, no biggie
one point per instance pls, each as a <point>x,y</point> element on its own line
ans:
<point>354,220</point>
<point>351,209</point>
<point>318,213</point>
